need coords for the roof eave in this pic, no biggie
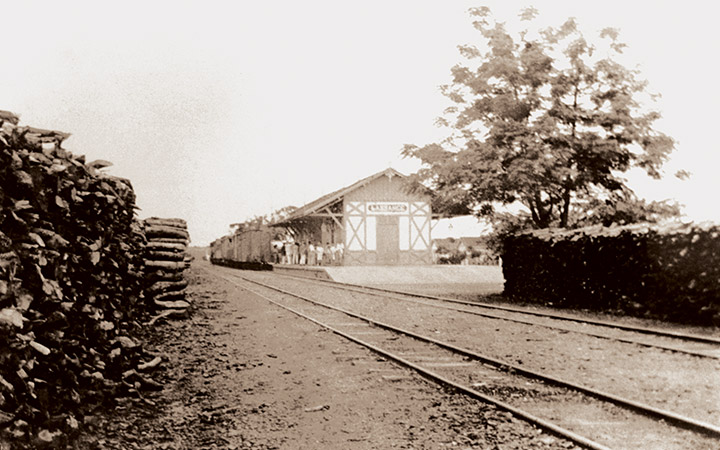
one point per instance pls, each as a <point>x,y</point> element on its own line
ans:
<point>337,195</point>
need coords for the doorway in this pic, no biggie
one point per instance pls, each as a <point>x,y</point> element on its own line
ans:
<point>388,240</point>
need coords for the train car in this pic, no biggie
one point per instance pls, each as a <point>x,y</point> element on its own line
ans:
<point>250,249</point>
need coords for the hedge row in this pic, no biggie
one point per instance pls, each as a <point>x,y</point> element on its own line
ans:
<point>669,272</point>
<point>71,286</point>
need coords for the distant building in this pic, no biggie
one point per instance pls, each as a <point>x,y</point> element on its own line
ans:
<point>464,250</point>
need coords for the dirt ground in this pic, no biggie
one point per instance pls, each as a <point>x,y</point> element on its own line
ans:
<point>241,373</point>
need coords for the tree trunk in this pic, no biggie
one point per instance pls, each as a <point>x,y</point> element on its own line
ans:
<point>543,215</point>
<point>533,213</point>
<point>565,211</point>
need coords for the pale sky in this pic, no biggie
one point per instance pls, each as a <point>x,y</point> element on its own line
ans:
<point>220,111</point>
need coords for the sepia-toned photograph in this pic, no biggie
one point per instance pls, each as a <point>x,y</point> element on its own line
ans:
<point>378,225</point>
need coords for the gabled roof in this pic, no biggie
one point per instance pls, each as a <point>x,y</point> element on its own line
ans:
<point>331,198</point>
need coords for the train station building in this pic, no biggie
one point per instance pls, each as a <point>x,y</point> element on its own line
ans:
<point>375,221</point>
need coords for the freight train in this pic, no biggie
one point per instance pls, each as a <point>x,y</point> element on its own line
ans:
<point>249,249</point>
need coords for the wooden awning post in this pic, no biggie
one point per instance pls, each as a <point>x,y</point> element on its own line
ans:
<point>334,218</point>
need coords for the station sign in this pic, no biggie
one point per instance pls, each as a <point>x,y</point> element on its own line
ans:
<point>387,208</point>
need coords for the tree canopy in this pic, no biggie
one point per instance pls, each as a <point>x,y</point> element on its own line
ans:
<point>257,222</point>
<point>543,117</point>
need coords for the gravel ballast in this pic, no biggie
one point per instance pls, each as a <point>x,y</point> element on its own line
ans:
<point>242,373</point>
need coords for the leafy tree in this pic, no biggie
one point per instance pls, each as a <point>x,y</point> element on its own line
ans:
<point>541,117</point>
<point>621,209</point>
<point>280,214</point>
<point>258,221</point>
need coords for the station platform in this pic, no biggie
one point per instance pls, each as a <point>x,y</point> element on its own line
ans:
<point>302,271</point>
<point>481,279</point>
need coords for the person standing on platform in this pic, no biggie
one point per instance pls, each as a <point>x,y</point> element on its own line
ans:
<point>312,259</point>
<point>296,253</point>
<point>303,253</point>
<point>320,253</point>
<point>340,251</point>
<point>288,251</point>
<point>328,255</point>
<point>275,253</point>
<point>336,254</point>
<point>331,253</point>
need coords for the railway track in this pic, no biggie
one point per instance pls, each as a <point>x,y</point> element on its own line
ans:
<point>587,417</point>
<point>685,343</point>
<point>667,380</point>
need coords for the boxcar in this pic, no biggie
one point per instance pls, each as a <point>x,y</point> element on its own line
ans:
<point>246,246</point>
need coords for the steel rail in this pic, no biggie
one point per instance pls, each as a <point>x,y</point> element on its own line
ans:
<point>369,290</point>
<point>677,419</point>
<point>643,330</point>
<point>433,376</point>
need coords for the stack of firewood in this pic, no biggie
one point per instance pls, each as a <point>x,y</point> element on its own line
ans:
<point>71,287</point>
<point>165,261</point>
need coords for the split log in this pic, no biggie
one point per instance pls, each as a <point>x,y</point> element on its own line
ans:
<point>145,382</point>
<point>165,275</point>
<point>165,265</point>
<point>174,313</point>
<point>150,364</point>
<point>155,255</point>
<point>167,222</point>
<point>169,240</point>
<point>174,304</point>
<point>163,231</point>
<point>170,295</point>
<point>166,246</point>
<point>125,342</point>
<point>166,286</point>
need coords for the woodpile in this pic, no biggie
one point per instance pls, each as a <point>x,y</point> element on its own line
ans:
<point>165,261</point>
<point>72,287</point>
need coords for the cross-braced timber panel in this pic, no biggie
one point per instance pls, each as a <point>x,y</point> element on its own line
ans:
<point>355,235</point>
<point>419,226</point>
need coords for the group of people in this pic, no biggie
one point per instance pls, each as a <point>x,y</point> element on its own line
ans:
<point>290,251</point>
